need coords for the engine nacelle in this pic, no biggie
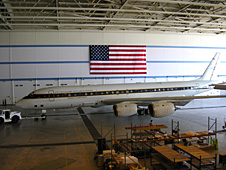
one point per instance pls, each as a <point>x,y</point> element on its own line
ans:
<point>161,109</point>
<point>124,109</point>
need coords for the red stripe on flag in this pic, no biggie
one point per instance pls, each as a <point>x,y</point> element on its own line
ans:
<point>128,46</point>
<point>118,68</point>
<point>127,54</point>
<point>119,73</point>
<point>127,59</point>
<point>123,50</point>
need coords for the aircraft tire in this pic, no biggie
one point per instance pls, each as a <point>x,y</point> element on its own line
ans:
<point>140,112</point>
<point>43,117</point>
<point>146,111</point>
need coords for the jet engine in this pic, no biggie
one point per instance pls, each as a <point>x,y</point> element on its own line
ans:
<point>160,109</point>
<point>124,109</point>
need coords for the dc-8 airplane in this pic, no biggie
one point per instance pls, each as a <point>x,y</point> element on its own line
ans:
<point>158,98</point>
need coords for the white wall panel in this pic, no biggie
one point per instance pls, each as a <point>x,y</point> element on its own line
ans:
<point>50,83</point>
<point>23,71</point>
<point>23,54</point>
<point>73,53</point>
<point>114,80</point>
<point>131,80</point>
<point>5,54</point>
<point>5,71</point>
<point>73,70</point>
<point>176,69</point>
<point>6,88</point>
<point>47,71</point>
<point>135,80</point>
<point>45,83</point>
<point>72,82</point>
<point>91,81</point>
<point>175,79</point>
<point>47,54</point>
<point>182,54</point>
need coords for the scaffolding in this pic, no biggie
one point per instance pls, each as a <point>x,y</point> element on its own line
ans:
<point>175,129</point>
<point>117,155</point>
<point>212,124</point>
<point>151,143</point>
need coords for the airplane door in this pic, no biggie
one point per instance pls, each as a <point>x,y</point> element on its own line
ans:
<point>51,95</point>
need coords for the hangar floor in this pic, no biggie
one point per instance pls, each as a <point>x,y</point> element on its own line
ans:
<point>66,140</point>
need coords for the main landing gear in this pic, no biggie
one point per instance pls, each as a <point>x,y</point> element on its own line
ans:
<point>43,116</point>
<point>142,111</point>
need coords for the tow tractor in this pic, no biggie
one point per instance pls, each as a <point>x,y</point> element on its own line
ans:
<point>14,116</point>
<point>9,116</point>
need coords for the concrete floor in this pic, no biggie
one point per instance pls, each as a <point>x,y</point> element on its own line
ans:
<point>64,142</point>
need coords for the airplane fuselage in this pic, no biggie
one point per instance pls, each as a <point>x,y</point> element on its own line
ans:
<point>92,95</point>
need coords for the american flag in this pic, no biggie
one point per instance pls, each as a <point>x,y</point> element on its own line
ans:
<point>117,59</point>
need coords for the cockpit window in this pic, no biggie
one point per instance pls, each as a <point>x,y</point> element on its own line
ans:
<point>31,95</point>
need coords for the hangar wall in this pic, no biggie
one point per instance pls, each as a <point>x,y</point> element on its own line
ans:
<point>32,60</point>
<point>102,37</point>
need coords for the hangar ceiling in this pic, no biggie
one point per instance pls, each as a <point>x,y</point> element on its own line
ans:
<point>196,16</point>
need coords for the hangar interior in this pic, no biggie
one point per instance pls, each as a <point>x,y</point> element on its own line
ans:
<point>47,43</point>
<point>28,67</point>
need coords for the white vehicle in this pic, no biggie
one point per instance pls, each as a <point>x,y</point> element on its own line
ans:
<point>9,116</point>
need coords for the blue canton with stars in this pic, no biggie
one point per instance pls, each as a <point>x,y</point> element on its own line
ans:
<point>99,52</point>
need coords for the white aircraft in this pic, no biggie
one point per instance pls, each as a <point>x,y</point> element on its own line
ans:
<point>159,98</point>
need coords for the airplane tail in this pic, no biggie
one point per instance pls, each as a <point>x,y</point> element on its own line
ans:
<point>210,70</point>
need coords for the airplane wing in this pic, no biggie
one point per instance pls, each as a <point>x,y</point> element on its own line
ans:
<point>175,99</point>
